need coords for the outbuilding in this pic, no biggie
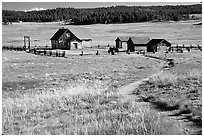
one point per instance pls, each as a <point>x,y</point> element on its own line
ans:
<point>121,42</point>
<point>156,45</point>
<point>134,43</point>
<point>72,38</point>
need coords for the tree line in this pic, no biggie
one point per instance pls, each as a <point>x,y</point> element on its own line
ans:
<point>114,14</point>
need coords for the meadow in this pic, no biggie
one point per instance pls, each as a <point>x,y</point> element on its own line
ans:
<point>81,94</point>
<point>183,32</point>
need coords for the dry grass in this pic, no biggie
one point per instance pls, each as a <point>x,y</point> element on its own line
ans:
<point>84,109</point>
<point>87,102</point>
<point>168,92</point>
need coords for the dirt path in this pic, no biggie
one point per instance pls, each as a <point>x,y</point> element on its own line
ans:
<point>186,126</point>
<point>127,89</point>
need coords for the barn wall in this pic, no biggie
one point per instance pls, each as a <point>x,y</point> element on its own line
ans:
<point>123,45</point>
<point>141,47</point>
<point>76,45</point>
<point>53,44</point>
<point>117,42</point>
<point>130,46</point>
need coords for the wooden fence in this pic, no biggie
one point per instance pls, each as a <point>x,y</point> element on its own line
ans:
<point>54,53</point>
<point>180,48</point>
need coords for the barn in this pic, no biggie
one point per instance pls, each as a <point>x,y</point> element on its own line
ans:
<point>156,45</point>
<point>134,43</point>
<point>72,38</point>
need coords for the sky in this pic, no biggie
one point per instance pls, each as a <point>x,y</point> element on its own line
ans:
<point>26,6</point>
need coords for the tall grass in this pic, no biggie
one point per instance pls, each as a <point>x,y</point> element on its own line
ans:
<point>86,109</point>
<point>168,92</point>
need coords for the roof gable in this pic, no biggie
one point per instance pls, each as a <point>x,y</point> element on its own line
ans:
<point>78,32</point>
<point>58,34</point>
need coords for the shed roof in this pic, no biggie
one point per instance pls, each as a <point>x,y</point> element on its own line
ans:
<point>123,39</point>
<point>140,40</point>
<point>80,32</point>
<point>157,41</point>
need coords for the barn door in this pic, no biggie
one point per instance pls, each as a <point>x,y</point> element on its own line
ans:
<point>75,45</point>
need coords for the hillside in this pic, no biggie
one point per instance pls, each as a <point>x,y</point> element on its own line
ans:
<point>109,15</point>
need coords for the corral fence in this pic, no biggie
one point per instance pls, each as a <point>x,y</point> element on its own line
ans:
<point>48,52</point>
<point>16,48</point>
<point>181,48</point>
<point>36,51</point>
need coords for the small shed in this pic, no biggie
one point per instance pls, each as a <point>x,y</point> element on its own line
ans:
<point>121,42</point>
<point>136,43</point>
<point>72,38</point>
<point>156,45</point>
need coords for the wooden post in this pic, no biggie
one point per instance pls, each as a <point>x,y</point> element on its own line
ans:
<point>177,48</point>
<point>56,53</point>
<point>97,52</point>
<point>63,53</point>
<point>191,46</point>
<point>82,53</point>
<point>28,44</point>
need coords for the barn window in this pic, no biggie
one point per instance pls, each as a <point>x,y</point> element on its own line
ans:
<point>68,35</point>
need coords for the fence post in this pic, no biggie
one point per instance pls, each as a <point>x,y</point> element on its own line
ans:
<point>191,46</point>
<point>63,53</point>
<point>97,52</point>
<point>82,53</point>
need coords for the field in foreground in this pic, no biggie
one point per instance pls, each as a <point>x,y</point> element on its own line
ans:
<point>79,95</point>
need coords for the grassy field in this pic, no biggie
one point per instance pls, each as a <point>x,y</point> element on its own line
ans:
<point>86,85</point>
<point>102,34</point>
<point>80,94</point>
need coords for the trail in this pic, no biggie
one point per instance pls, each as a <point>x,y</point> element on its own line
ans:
<point>127,89</point>
<point>126,92</point>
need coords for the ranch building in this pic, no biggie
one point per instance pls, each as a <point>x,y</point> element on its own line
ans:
<point>72,38</point>
<point>121,42</point>
<point>137,43</point>
<point>156,45</point>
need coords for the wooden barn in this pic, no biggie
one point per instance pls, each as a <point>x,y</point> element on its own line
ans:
<point>134,43</point>
<point>156,45</point>
<point>72,38</point>
<point>121,42</point>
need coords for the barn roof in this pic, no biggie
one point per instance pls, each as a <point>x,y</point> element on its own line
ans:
<point>140,40</point>
<point>157,41</point>
<point>58,34</point>
<point>79,32</point>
